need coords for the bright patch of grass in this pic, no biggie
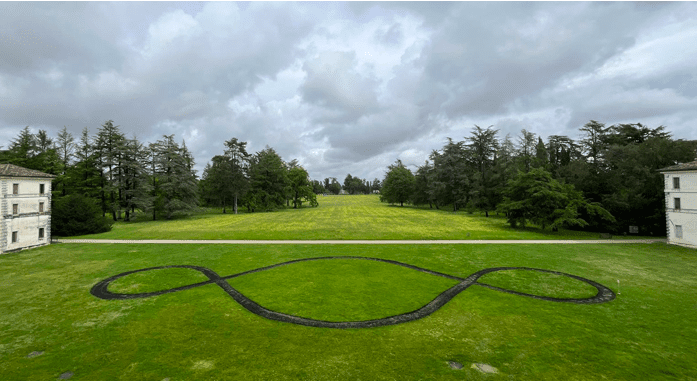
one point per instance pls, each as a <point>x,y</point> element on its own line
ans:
<point>156,280</point>
<point>647,333</point>
<point>344,217</point>
<point>539,283</point>
<point>342,289</point>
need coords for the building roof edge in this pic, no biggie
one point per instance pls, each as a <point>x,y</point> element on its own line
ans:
<point>680,167</point>
<point>7,169</point>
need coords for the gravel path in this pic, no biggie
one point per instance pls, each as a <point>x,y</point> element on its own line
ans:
<point>607,241</point>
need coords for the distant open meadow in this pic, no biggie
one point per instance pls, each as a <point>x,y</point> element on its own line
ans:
<point>340,217</point>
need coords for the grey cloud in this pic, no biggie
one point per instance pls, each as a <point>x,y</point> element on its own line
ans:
<point>541,125</point>
<point>390,36</point>
<point>235,49</point>
<point>684,83</point>
<point>432,12</point>
<point>71,35</point>
<point>615,105</point>
<point>163,84</point>
<point>190,104</point>
<point>506,51</point>
<point>173,68</point>
<point>375,134</point>
<point>333,83</point>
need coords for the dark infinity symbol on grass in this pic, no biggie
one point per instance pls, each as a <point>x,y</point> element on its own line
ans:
<point>101,290</point>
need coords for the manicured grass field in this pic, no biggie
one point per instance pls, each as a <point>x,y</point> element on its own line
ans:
<point>647,333</point>
<point>342,217</point>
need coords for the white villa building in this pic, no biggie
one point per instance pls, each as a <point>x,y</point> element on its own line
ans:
<point>25,208</point>
<point>680,203</point>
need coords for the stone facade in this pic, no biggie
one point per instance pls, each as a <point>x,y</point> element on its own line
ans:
<point>680,203</point>
<point>26,214</point>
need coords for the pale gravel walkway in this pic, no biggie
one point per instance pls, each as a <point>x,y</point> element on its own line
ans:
<point>607,241</point>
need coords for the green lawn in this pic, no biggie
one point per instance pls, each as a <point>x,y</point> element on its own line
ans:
<point>337,218</point>
<point>647,333</point>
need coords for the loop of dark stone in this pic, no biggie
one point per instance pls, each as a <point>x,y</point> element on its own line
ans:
<point>100,290</point>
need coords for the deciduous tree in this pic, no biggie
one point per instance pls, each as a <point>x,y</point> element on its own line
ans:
<point>398,185</point>
<point>301,187</point>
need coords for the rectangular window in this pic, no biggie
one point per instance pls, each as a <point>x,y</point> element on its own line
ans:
<point>677,184</point>
<point>15,188</point>
<point>41,233</point>
<point>677,203</point>
<point>679,232</point>
<point>41,207</point>
<point>15,209</point>
<point>41,188</point>
<point>15,237</point>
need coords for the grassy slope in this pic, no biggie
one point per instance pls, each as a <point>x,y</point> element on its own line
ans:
<point>647,333</point>
<point>337,217</point>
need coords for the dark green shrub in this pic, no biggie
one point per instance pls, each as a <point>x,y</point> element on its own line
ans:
<point>77,215</point>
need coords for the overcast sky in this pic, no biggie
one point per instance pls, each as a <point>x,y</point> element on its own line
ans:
<point>344,87</point>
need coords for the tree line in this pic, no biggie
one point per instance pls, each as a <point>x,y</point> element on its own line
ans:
<point>122,175</point>
<point>260,182</point>
<point>353,185</point>
<point>605,181</point>
<point>116,176</point>
<point>264,182</point>
<point>119,175</point>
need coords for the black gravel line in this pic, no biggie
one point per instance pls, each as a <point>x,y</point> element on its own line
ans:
<point>347,257</point>
<point>603,293</point>
<point>100,290</point>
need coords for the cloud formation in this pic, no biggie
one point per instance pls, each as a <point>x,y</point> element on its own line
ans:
<point>344,87</point>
